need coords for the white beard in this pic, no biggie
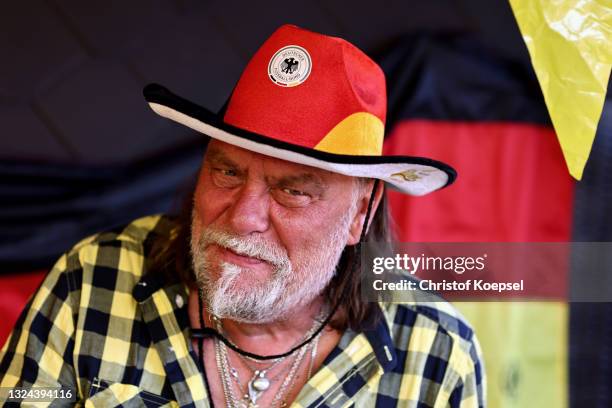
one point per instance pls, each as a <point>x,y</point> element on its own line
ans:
<point>288,287</point>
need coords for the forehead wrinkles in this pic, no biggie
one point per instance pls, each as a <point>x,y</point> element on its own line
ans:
<point>283,172</point>
<point>215,155</point>
<point>300,178</point>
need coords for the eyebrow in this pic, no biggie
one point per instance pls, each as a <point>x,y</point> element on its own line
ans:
<point>304,178</point>
<point>217,156</point>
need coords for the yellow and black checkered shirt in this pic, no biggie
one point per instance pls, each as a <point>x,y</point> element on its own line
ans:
<point>99,326</point>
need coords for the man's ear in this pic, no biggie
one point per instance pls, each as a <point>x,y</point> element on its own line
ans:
<point>362,209</point>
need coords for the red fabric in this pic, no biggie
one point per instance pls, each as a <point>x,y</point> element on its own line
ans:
<point>512,183</point>
<point>343,81</point>
<point>512,186</point>
<point>15,291</point>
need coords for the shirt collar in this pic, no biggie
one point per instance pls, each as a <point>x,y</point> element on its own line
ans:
<point>147,286</point>
<point>379,337</point>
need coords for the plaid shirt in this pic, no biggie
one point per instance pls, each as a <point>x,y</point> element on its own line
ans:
<point>117,337</point>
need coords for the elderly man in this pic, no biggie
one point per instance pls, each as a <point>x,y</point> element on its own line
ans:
<point>252,298</point>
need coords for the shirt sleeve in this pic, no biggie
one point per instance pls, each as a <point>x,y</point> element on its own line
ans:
<point>39,350</point>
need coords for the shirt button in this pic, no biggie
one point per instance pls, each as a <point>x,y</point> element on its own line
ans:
<point>179,301</point>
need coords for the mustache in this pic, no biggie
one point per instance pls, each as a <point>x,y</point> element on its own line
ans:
<point>253,246</point>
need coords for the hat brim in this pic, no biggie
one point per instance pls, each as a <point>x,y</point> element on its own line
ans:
<point>409,174</point>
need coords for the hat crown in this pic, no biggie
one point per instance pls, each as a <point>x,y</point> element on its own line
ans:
<point>312,90</point>
<point>314,100</point>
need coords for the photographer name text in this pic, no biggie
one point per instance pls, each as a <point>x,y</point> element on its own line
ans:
<point>448,286</point>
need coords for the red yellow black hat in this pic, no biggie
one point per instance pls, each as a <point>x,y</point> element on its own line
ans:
<point>311,99</point>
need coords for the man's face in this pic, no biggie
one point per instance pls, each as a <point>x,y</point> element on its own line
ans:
<point>267,234</point>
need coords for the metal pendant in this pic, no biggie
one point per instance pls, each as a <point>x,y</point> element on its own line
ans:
<point>257,385</point>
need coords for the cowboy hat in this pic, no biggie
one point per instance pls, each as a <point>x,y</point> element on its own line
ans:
<point>311,99</point>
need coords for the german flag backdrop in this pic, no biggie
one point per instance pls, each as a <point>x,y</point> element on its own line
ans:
<point>513,186</point>
<point>486,117</point>
<point>450,100</point>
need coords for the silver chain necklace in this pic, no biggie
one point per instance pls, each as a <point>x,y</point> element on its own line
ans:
<point>249,399</point>
<point>288,384</point>
<point>259,382</point>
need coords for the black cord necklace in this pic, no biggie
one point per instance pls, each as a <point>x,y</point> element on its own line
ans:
<point>206,332</point>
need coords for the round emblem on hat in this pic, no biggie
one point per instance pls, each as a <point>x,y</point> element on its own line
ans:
<point>290,66</point>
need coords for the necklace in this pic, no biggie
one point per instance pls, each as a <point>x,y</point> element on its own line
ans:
<point>275,362</point>
<point>228,392</point>
<point>315,344</point>
<point>288,384</point>
<point>259,382</point>
<point>249,399</point>
<point>277,401</point>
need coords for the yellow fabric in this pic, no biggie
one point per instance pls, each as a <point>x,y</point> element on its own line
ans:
<point>525,351</point>
<point>570,44</point>
<point>359,134</point>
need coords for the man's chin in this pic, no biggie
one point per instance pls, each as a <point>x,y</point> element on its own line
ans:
<point>232,292</point>
<point>248,304</point>
<point>248,315</point>
<point>243,310</point>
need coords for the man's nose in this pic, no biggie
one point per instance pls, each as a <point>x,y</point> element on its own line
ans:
<point>250,212</point>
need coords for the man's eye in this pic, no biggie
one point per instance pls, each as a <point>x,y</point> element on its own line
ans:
<point>227,172</point>
<point>291,197</point>
<point>294,192</point>
<point>226,178</point>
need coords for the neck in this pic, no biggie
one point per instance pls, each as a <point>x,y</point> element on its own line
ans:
<point>263,338</point>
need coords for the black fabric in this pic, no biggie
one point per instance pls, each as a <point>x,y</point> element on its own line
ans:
<point>47,208</point>
<point>590,347</point>
<point>453,77</point>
